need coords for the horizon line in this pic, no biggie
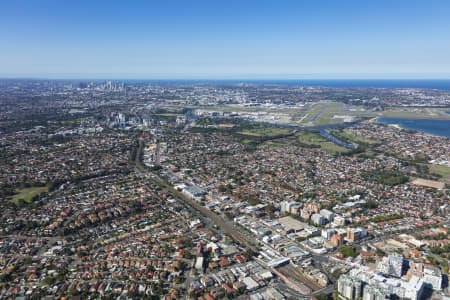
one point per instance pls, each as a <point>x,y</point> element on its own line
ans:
<point>221,78</point>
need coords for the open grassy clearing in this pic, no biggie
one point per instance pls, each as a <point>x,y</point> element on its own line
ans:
<point>27,194</point>
<point>314,139</point>
<point>311,114</point>
<point>354,139</point>
<point>308,137</point>
<point>265,131</point>
<point>246,141</point>
<point>326,116</point>
<point>275,144</point>
<point>366,154</point>
<point>333,148</point>
<point>444,171</point>
<point>320,113</point>
<point>168,115</point>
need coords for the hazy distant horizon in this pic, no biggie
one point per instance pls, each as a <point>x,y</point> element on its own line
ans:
<point>219,77</point>
<point>426,83</point>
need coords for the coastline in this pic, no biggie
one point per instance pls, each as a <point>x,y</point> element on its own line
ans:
<point>425,128</point>
<point>397,126</point>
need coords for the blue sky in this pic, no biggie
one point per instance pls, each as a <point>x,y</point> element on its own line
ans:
<point>225,39</point>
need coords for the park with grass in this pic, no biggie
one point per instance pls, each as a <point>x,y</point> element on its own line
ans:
<point>281,136</point>
<point>344,135</point>
<point>440,170</point>
<point>315,140</point>
<point>27,195</point>
<point>264,131</point>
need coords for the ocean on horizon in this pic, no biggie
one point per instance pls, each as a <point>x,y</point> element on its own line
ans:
<point>438,84</point>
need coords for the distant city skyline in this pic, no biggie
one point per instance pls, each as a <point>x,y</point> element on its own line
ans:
<point>225,40</point>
